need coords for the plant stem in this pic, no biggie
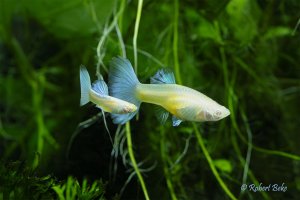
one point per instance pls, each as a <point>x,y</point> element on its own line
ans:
<point>133,161</point>
<point>136,30</point>
<point>243,139</point>
<point>106,31</point>
<point>175,42</point>
<point>211,164</point>
<point>37,85</point>
<point>242,161</point>
<point>166,170</point>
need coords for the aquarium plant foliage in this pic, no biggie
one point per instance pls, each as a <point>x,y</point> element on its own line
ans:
<point>242,53</point>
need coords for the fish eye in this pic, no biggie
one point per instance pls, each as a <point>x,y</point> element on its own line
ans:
<point>126,110</point>
<point>218,113</point>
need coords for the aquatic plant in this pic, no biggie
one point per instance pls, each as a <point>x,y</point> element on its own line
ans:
<point>18,181</point>
<point>242,53</point>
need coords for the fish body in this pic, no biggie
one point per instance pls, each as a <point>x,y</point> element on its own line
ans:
<point>184,103</point>
<point>97,93</point>
<point>110,104</point>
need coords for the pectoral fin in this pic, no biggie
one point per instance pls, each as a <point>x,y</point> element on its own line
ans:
<point>176,121</point>
<point>187,112</point>
<point>161,114</point>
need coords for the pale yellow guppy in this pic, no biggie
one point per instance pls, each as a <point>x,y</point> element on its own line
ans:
<point>98,94</point>
<point>185,104</point>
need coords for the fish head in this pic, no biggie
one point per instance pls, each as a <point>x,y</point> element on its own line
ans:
<point>215,113</point>
<point>128,108</point>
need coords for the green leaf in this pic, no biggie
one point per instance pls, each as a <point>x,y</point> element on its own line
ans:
<point>72,18</point>
<point>223,165</point>
<point>279,31</point>
<point>297,181</point>
<point>243,17</point>
<point>7,9</point>
<point>207,30</point>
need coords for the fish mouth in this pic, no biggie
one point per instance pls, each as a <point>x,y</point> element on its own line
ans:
<point>226,112</point>
<point>133,108</point>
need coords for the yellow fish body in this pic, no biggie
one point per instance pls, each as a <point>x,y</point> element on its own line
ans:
<point>185,104</point>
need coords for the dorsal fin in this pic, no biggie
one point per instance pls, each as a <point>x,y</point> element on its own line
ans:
<point>163,76</point>
<point>100,87</point>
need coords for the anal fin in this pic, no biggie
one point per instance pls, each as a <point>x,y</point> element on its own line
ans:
<point>176,121</point>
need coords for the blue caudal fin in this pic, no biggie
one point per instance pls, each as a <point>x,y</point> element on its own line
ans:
<point>85,85</point>
<point>163,76</point>
<point>122,82</point>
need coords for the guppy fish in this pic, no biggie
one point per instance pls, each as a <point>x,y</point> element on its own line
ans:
<point>98,94</point>
<point>185,104</point>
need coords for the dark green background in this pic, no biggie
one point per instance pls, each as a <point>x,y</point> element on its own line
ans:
<point>242,53</point>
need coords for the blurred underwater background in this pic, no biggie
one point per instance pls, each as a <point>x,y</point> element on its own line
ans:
<point>242,53</point>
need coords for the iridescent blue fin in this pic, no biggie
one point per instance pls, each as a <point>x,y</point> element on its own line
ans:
<point>176,121</point>
<point>85,85</point>
<point>163,76</point>
<point>100,87</point>
<point>122,118</point>
<point>122,83</point>
<point>161,114</point>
